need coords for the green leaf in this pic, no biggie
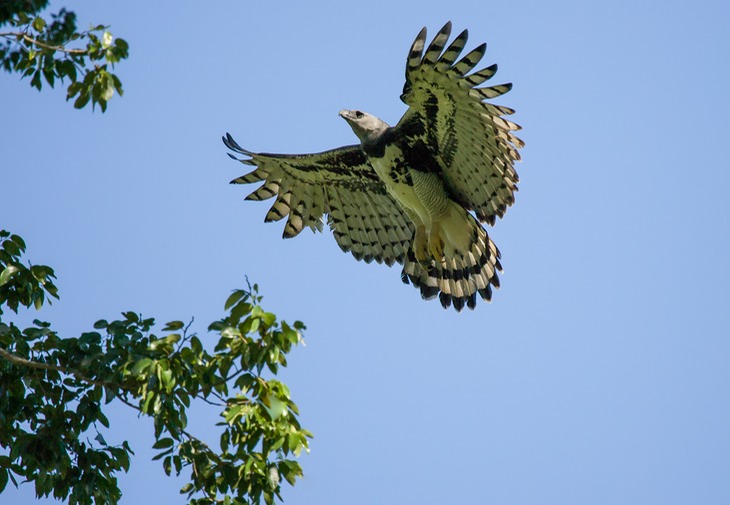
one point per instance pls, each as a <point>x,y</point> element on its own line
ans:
<point>163,443</point>
<point>39,24</point>
<point>141,366</point>
<point>82,100</point>
<point>11,248</point>
<point>173,325</point>
<point>162,455</point>
<point>108,92</point>
<point>106,39</point>
<point>232,413</point>
<point>103,420</point>
<point>74,88</point>
<point>36,80</point>
<point>234,298</point>
<point>167,465</point>
<point>148,399</point>
<point>196,346</point>
<point>101,324</point>
<point>273,476</point>
<point>239,310</point>
<point>268,318</point>
<point>48,74</point>
<point>165,342</point>
<point>7,274</point>
<point>117,85</point>
<point>275,407</point>
<point>18,241</point>
<point>167,381</point>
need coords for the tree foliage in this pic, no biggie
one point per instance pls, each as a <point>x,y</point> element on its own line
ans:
<point>52,48</point>
<point>53,392</point>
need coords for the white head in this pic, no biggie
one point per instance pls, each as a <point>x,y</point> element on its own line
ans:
<point>367,128</point>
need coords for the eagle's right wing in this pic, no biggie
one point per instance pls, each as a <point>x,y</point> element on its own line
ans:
<point>364,218</point>
<point>448,112</point>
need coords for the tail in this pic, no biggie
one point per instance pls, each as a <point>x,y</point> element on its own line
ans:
<point>461,276</point>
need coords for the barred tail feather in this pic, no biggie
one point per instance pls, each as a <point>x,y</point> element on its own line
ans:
<point>458,279</point>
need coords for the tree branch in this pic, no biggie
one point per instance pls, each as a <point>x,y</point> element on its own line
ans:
<point>17,360</point>
<point>20,361</point>
<point>38,43</point>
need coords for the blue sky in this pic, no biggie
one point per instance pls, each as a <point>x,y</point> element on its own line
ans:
<point>601,371</point>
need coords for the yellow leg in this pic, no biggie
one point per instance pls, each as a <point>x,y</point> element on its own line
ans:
<point>436,243</point>
<point>420,246</point>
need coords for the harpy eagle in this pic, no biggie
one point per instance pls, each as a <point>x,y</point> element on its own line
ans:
<point>414,193</point>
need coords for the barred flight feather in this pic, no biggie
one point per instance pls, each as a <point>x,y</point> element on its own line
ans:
<point>468,62</point>
<point>452,52</point>
<point>437,45</point>
<point>481,76</point>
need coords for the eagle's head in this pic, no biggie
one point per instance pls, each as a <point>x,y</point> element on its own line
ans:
<point>367,128</point>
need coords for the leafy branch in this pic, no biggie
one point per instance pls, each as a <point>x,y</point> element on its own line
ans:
<point>57,50</point>
<point>53,389</point>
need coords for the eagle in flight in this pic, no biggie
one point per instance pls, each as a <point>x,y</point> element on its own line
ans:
<point>414,193</point>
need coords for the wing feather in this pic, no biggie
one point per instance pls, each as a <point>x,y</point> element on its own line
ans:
<point>437,45</point>
<point>416,52</point>
<point>469,61</point>
<point>452,52</point>
<point>474,145</point>
<point>340,184</point>
<point>264,192</point>
<point>481,76</point>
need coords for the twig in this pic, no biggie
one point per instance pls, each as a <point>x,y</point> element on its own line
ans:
<point>38,43</point>
<point>215,404</point>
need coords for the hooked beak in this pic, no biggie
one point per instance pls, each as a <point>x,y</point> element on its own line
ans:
<point>346,114</point>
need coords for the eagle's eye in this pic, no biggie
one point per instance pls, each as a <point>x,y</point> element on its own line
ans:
<point>359,114</point>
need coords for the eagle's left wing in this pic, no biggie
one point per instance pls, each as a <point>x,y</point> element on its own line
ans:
<point>340,183</point>
<point>470,139</point>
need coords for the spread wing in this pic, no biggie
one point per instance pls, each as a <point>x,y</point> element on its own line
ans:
<point>339,183</point>
<point>470,139</point>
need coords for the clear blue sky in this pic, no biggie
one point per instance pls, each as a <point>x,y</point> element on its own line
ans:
<point>600,373</point>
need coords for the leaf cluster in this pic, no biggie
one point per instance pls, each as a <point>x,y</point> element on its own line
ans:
<point>49,50</point>
<point>53,392</point>
<point>22,285</point>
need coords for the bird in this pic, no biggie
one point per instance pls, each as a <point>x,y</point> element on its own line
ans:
<point>416,193</point>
